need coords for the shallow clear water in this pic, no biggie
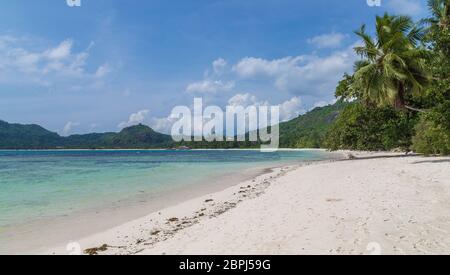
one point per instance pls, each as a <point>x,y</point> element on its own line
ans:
<point>37,184</point>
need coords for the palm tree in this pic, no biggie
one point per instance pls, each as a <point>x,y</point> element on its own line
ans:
<point>393,65</point>
<point>438,25</point>
<point>440,10</point>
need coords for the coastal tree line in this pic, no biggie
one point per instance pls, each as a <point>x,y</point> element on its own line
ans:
<point>400,89</point>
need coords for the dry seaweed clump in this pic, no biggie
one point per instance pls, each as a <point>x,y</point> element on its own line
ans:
<point>96,250</point>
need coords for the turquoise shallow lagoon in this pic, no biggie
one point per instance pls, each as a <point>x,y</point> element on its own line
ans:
<point>45,184</point>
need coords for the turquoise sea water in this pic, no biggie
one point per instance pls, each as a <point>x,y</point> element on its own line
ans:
<point>38,184</point>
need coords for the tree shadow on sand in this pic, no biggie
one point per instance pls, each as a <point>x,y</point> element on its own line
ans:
<point>446,160</point>
<point>382,157</point>
<point>433,161</point>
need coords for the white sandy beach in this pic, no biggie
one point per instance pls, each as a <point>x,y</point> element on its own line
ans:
<point>394,205</point>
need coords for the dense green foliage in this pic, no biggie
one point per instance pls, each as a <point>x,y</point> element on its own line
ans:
<point>362,128</point>
<point>392,68</point>
<point>401,87</point>
<point>139,136</point>
<point>309,130</point>
<point>433,130</point>
<point>26,136</point>
<point>16,136</point>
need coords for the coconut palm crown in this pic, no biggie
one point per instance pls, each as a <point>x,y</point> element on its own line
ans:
<point>393,64</point>
<point>440,11</point>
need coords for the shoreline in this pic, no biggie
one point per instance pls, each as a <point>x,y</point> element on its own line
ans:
<point>167,149</point>
<point>193,209</point>
<point>36,235</point>
<point>196,208</point>
<point>399,210</point>
<point>87,222</point>
<point>225,210</point>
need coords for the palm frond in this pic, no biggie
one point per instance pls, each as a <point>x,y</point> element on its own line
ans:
<point>416,35</point>
<point>393,62</point>
<point>401,24</point>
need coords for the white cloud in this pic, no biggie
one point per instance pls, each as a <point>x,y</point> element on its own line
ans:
<point>69,127</point>
<point>135,119</point>
<point>251,67</point>
<point>320,104</point>
<point>288,109</point>
<point>330,40</point>
<point>60,52</point>
<point>303,75</point>
<point>244,100</point>
<point>163,125</point>
<point>291,109</point>
<point>209,87</point>
<point>408,7</point>
<point>22,61</point>
<point>103,70</point>
<point>219,65</point>
<point>212,82</point>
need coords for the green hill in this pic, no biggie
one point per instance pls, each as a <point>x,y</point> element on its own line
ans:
<point>13,136</point>
<point>309,130</point>
<point>306,131</point>
<point>134,137</point>
<point>17,136</point>
<point>139,136</point>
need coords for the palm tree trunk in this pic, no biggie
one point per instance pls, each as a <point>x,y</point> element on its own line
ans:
<point>399,103</point>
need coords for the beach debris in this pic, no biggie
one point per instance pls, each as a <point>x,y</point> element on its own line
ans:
<point>334,200</point>
<point>139,241</point>
<point>95,250</point>
<point>351,156</point>
<point>174,225</point>
<point>155,232</point>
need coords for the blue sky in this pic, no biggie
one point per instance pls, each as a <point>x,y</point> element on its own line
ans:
<point>113,63</point>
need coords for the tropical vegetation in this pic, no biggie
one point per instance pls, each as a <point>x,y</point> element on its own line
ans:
<point>400,88</point>
<point>17,136</point>
<point>397,97</point>
<point>306,131</point>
